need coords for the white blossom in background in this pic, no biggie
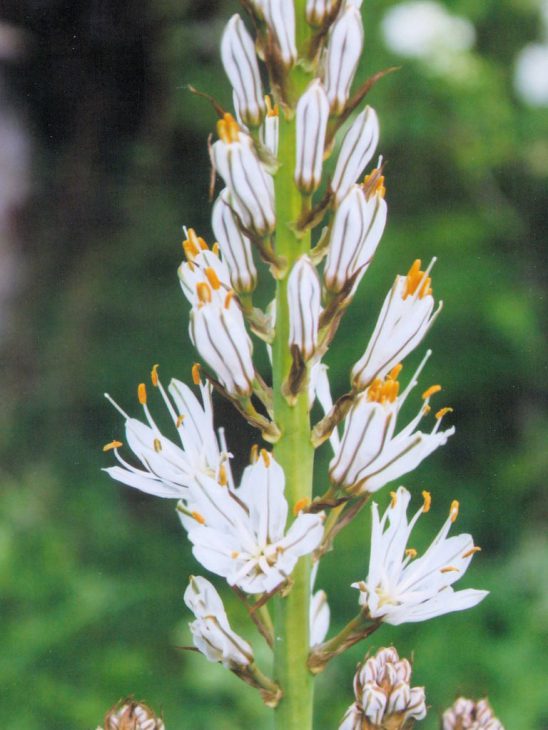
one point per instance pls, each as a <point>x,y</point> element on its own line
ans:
<point>241,536</point>
<point>531,74</point>
<point>241,66</point>
<point>424,29</point>
<point>406,316</point>
<point>167,469</point>
<point>217,330</point>
<point>344,49</point>
<point>312,116</point>
<point>304,299</point>
<point>280,16</point>
<point>250,185</point>
<point>371,453</point>
<point>466,714</point>
<point>357,229</point>
<point>401,587</point>
<point>235,247</point>
<point>358,147</point>
<point>211,631</point>
<point>384,696</point>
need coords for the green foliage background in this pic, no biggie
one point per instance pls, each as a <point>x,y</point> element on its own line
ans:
<point>92,573</point>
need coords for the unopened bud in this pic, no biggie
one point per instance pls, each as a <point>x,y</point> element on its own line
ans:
<point>312,116</point>
<point>466,714</point>
<point>130,715</point>
<point>242,69</point>
<point>235,247</point>
<point>358,147</point>
<point>303,294</point>
<point>317,11</point>
<point>280,16</point>
<point>344,49</point>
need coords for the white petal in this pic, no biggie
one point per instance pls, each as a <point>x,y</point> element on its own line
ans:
<point>303,294</point>
<point>312,115</point>
<point>358,147</point>
<point>344,50</point>
<point>240,63</point>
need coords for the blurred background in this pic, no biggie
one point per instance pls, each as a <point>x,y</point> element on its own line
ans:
<point>102,161</point>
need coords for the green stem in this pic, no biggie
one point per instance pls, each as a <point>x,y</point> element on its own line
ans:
<point>294,450</point>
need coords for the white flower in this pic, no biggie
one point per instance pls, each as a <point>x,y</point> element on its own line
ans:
<point>344,49</point>
<point>358,147</point>
<point>217,330</point>
<point>319,618</point>
<point>202,266</point>
<point>371,454</point>
<point>311,119</point>
<point>211,631</point>
<point>303,295</point>
<point>240,63</point>
<point>167,470</point>
<point>406,316</point>
<point>280,16</point>
<point>131,715</point>
<point>531,74</point>
<point>401,587</point>
<point>466,714</point>
<point>318,387</point>
<point>357,229</point>
<point>318,10</point>
<point>384,697</point>
<point>235,247</point>
<point>240,534</point>
<point>250,185</point>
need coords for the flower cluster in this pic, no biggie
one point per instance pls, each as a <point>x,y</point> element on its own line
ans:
<point>316,224</point>
<point>131,715</point>
<point>469,715</point>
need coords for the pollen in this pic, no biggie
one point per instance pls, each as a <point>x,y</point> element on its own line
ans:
<point>382,391</point>
<point>271,110</point>
<point>142,394</point>
<point>228,298</point>
<point>429,392</point>
<point>443,411</point>
<point>417,282</point>
<point>471,552</point>
<point>427,497</point>
<point>154,375</point>
<point>203,292</point>
<point>234,554</point>
<point>254,454</point>
<point>179,421</point>
<point>266,457</point>
<point>198,517</point>
<point>454,510</point>
<point>300,504</point>
<point>196,241</point>
<point>396,370</point>
<point>411,553</point>
<point>157,445</point>
<point>393,499</point>
<point>196,373</point>
<point>212,277</point>
<point>215,248</point>
<point>223,478</point>
<point>374,183</point>
<point>112,445</point>
<point>449,569</point>
<point>190,250</point>
<point>228,129</point>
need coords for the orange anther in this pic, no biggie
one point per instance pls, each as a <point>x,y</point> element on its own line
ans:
<point>471,552</point>
<point>228,129</point>
<point>157,445</point>
<point>429,392</point>
<point>198,517</point>
<point>396,370</point>
<point>212,277</point>
<point>223,478</point>
<point>215,248</point>
<point>112,445</point>
<point>300,504</point>
<point>427,497</point>
<point>454,510</point>
<point>374,183</point>
<point>449,569</point>
<point>228,298</point>
<point>142,394</point>
<point>415,278</point>
<point>203,292</point>
<point>443,411</point>
<point>154,375</point>
<point>234,554</point>
<point>191,251</point>
<point>254,454</point>
<point>393,499</point>
<point>266,457</point>
<point>196,373</point>
<point>179,421</point>
<point>411,553</point>
<point>271,111</point>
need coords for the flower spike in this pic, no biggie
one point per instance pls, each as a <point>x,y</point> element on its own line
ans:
<point>242,68</point>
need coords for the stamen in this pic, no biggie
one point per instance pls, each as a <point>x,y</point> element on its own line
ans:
<point>234,554</point>
<point>112,445</point>
<point>449,569</point>
<point>223,479</point>
<point>203,292</point>
<point>191,251</point>
<point>228,298</point>
<point>427,497</point>
<point>196,374</point>
<point>429,392</point>
<point>396,370</point>
<point>266,457</point>
<point>300,504</point>
<point>454,510</point>
<point>118,408</point>
<point>471,552</point>
<point>254,454</point>
<point>418,282</point>
<point>271,111</point>
<point>380,392</point>
<point>198,517</point>
<point>228,129</point>
<point>212,277</point>
<point>179,421</point>
<point>411,553</point>
<point>154,375</point>
<point>442,412</point>
<point>393,499</point>
<point>215,248</point>
<point>157,445</point>
<point>142,394</point>
<point>374,183</point>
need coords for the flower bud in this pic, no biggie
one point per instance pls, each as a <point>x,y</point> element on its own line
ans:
<point>344,49</point>
<point>280,16</point>
<point>270,128</point>
<point>357,229</point>
<point>317,11</point>
<point>469,715</point>
<point>130,715</point>
<point>405,318</point>
<point>311,119</point>
<point>250,186</point>
<point>382,699</point>
<point>242,69</point>
<point>303,294</point>
<point>358,147</point>
<point>235,247</point>
<point>217,330</point>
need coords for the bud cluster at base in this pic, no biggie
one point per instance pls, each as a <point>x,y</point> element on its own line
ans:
<point>131,715</point>
<point>466,714</point>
